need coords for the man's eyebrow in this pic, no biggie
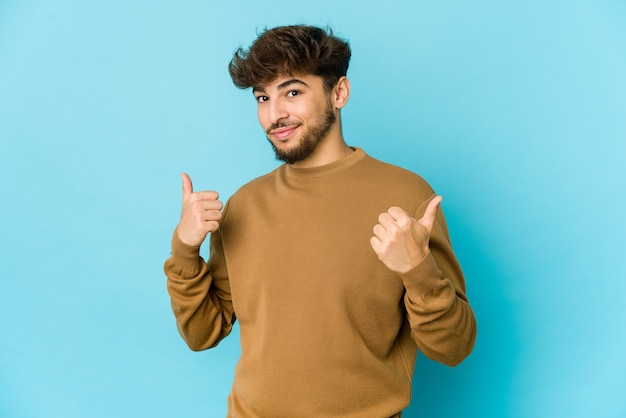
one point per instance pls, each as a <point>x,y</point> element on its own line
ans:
<point>290,82</point>
<point>259,89</point>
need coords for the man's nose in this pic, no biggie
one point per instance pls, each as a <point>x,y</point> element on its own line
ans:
<point>277,111</point>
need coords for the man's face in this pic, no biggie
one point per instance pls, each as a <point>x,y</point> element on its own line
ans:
<point>296,114</point>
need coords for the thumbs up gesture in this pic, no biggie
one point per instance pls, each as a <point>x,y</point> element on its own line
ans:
<point>401,241</point>
<point>200,215</point>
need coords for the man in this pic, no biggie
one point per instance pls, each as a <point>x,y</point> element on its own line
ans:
<point>337,266</point>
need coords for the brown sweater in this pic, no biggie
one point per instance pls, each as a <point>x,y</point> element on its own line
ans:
<point>326,329</point>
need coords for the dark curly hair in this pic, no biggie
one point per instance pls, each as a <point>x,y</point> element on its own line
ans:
<point>291,50</point>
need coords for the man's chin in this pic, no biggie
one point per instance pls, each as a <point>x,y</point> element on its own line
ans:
<point>292,155</point>
<point>295,149</point>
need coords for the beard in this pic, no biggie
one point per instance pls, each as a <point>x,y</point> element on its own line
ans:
<point>311,138</point>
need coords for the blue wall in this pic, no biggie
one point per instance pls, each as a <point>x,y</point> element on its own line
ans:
<point>514,111</point>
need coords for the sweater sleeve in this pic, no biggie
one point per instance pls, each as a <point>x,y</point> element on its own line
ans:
<point>442,322</point>
<point>199,293</point>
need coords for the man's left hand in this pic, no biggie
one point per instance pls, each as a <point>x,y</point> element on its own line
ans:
<point>401,241</point>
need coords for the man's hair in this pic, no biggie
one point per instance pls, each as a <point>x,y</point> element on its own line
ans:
<point>291,50</point>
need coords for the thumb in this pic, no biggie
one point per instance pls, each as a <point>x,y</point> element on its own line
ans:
<point>428,219</point>
<point>187,186</point>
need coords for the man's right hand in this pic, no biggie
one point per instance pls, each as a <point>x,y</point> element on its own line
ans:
<point>200,215</point>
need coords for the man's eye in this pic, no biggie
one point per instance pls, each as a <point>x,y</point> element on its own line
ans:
<point>261,99</point>
<point>293,93</point>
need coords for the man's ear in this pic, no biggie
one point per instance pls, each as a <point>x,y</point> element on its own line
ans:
<point>341,92</point>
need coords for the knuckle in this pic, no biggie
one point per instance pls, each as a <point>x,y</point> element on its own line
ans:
<point>404,223</point>
<point>394,231</point>
<point>195,205</point>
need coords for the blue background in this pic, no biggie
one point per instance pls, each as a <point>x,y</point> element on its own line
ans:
<point>514,111</point>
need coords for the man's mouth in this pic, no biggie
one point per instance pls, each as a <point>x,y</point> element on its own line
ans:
<point>283,132</point>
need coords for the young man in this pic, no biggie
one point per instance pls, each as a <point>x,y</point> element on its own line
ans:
<point>337,266</point>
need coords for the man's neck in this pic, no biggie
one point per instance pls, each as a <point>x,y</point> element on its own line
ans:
<point>330,149</point>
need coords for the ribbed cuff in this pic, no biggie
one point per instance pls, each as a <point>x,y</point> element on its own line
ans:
<point>424,278</point>
<point>184,255</point>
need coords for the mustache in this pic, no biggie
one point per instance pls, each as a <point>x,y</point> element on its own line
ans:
<point>281,124</point>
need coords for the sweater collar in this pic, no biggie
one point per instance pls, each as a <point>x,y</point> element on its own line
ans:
<point>327,169</point>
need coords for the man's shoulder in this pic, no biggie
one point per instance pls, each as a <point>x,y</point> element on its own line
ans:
<point>258,184</point>
<point>392,175</point>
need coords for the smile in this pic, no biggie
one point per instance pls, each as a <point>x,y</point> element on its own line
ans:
<point>285,132</point>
